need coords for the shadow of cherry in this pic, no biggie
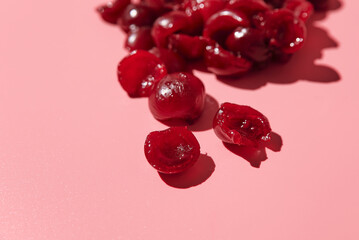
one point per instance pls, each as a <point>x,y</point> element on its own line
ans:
<point>205,121</point>
<point>196,175</point>
<point>255,156</point>
<point>302,65</point>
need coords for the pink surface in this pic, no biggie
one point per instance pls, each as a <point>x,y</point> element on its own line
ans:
<point>71,141</point>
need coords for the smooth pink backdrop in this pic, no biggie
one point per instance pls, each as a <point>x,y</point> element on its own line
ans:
<point>71,142</point>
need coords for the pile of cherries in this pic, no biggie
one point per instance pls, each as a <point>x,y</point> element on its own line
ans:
<point>230,37</point>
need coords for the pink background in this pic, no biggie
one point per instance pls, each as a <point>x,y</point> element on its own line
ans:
<point>71,141</point>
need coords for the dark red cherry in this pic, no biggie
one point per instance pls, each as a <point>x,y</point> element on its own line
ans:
<point>177,97</point>
<point>241,125</point>
<point>191,47</point>
<point>249,43</point>
<point>206,8</point>
<point>275,3</point>
<point>111,11</point>
<point>259,20</point>
<point>139,38</point>
<point>173,61</point>
<point>136,15</point>
<point>222,23</point>
<point>138,73</point>
<point>164,4</point>
<point>168,24</point>
<point>302,9</point>
<point>173,150</point>
<point>224,63</point>
<point>249,7</point>
<point>285,31</point>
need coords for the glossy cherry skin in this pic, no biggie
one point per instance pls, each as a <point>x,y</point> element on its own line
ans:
<point>249,43</point>
<point>139,38</point>
<point>172,60</point>
<point>164,4</point>
<point>136,15</point>
<point>302,9</point>
<point>164,26</point>
<point>241,125</point>
<point>178,97</point>
<point>249,7</point>
<point>139,72</point>
<point>111,11</point>
<point>222,23</point>
<point>191,47</point>
<point>205,8</point>
<point>223,63</point>
<point>285,31</point>
<point>173,150</point>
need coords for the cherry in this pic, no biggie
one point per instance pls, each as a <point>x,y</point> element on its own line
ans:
<point>173,150</point>
<point>285,31</point>
<point>250,43</point>
<point>139,38</point>
<point>111,11</point>
<point>205,8</point>
<point>164,4</point>
<point>222,23</point>
<point>136,15</point>
<point>302,9</point>
<point>164,26</point>
<point>224,63</point>
<point>249,7</point>
<point>177,97</point>
<point>191,47</point>
<point>173,61</point>
<point>138,73</point>
<point>275,3</point>
<point>241,125</point>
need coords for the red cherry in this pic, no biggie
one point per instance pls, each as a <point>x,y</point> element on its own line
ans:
<point>275,3</point>
<point>136,15</point>
<point>178,97</point>
<point>139,38</point>
<point>250,43</point>
<point>285,31</point>
<point>205,8</point>
<point>223,63</point>
<point>249,7</point>
<point>173,61</point>
<point>111,11</point>
<point>302,9</point>
<point>173,150</point>
<point>222,23</point>
<point>138,73</point>
<point>168,24</point>
<point>191,47</point>
<point>241,125</point>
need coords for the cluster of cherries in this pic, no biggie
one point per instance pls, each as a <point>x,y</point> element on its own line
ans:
<point>230,37</point>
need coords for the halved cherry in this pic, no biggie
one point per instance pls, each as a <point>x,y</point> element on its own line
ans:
<point>241,125</point>
<point>222,23</point>
<point>139,71</point>
<point>191,47</point>
<point>173,150</point>
<point>224,63</point>
<point>285,31</point>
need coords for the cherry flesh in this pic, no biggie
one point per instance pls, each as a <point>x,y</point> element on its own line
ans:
<point>173,150</point>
